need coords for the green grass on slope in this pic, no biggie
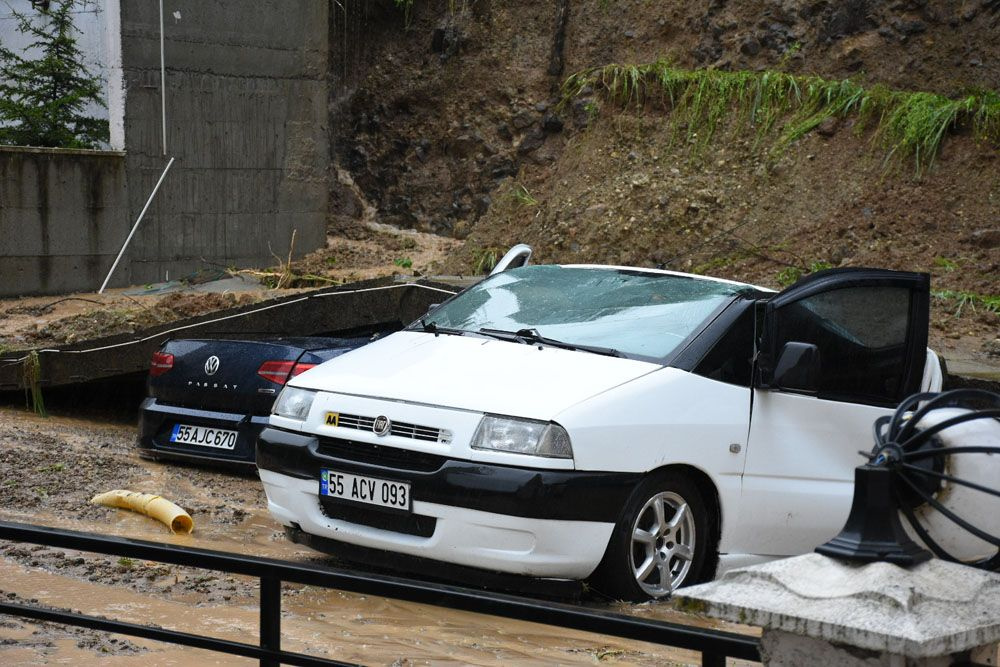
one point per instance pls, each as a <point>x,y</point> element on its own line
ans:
<point>910,125</point>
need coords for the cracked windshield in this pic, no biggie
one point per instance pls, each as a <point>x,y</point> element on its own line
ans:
<point>639,314</point>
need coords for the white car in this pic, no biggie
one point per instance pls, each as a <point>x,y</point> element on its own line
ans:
<point>638,427</point>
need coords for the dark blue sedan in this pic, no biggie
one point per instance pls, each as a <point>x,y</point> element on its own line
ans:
<point>209,399</point>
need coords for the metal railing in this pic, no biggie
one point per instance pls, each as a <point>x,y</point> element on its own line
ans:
<point>714,645</point>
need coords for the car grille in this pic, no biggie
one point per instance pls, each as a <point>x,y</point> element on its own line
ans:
<point>380,455</point>
<point>399,429</point>
<point>409,524</point>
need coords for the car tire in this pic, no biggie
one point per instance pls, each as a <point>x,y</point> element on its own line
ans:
<point>661,540</point>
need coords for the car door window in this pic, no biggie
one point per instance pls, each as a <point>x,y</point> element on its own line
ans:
<point>731,359</point>
<point>861,334</point>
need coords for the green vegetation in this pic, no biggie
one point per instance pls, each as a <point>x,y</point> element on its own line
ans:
<point>32,379</point>
<point>909,125</point>
<point>42,101</point>
<point>945,263</point>
<point>406,6</point>
<point>523,197</point>
<point>790,274</point>
<point>126,563</point>
<point>717,262</point>
<point>988,302</point>
<point>690,605</point>
<point>484,259</point>
<point>403,262</point>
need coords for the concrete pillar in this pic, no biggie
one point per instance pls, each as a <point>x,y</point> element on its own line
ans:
<point>816,610</point>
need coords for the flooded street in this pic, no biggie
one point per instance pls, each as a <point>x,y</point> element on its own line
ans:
<point>52,467</point>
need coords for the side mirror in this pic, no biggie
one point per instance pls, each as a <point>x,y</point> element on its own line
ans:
<point>798,368</point>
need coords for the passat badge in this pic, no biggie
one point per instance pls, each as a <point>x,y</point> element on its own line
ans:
<point>381,425</point>
<point>211,365</point>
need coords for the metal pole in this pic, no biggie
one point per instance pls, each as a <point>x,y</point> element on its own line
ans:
<point>163,85</point>
<point>135,226</point>
<point>270,617</point>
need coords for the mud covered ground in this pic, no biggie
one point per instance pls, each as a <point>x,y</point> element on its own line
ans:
<point>50,468</point>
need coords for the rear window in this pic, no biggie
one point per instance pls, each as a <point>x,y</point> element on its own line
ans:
<point>645,315</point>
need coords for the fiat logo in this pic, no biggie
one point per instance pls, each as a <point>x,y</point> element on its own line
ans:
<point>211,365</point>
<point>381,425</point>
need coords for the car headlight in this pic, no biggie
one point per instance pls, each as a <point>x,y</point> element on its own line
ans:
<point>293,403</point>
<point>523,436</point>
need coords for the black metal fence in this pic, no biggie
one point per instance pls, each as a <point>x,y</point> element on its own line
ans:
<point>714,645</point>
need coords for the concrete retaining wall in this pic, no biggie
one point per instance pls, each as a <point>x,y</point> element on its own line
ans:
<point>246,116</point>
<point>62,217</point>
<point>246,101</point>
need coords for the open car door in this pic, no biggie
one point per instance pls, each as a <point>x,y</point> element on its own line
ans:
<point>837,350</point>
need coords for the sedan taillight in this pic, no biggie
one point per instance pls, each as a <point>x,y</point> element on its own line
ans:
<point>299,368</point>
<point>281,372</point>
<point>160,363</point>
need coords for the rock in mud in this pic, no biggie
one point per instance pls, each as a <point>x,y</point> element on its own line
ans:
<point>523,120</point>
<point>984,238</point>
<point>531,141</point>
<point>828,127</point>
<point>551,123</point>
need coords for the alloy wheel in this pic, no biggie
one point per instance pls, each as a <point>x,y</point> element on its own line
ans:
<point>663,544</point>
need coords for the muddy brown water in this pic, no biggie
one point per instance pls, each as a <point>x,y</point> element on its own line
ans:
<point>49,469</point>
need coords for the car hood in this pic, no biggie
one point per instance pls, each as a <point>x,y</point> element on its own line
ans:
<point>473,373</point>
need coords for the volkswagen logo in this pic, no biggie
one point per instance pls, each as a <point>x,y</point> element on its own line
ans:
<point>211,365</point>
<point>382,425</point>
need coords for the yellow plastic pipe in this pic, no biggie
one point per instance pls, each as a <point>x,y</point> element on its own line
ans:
<point>156,507</point>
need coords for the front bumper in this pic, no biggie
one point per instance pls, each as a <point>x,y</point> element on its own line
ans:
<point>156,422</point>
<point>542,523</point>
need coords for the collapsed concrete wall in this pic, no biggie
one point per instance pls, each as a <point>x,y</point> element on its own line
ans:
<point>245,110</point>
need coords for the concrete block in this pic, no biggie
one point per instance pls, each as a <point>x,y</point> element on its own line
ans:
<point>272,23</point>
<point>932,609</point>
<point>51,274</point>
<point>60,213</point>
<point>246,105</point>
<point>302,196</point>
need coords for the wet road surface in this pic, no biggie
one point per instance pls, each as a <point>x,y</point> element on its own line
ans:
<point>50,468</point>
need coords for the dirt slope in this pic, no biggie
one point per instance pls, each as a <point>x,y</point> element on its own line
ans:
<point>452,125</point>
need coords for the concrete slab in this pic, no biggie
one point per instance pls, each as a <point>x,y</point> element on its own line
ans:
<point>936,608</point>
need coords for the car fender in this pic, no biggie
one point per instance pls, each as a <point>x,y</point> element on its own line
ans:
<point>668,417</point>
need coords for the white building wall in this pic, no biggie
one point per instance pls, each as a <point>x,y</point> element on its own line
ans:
<point>99,39</point>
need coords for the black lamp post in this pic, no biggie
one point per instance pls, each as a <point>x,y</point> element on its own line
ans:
<point>905,470</point>
<point>873,531</point>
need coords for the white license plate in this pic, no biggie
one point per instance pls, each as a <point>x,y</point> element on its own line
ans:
<point>203,436</point>
<point>367,490</point>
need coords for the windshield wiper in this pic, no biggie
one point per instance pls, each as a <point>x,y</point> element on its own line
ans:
<point>432,327</point>
<point>531,336</point>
